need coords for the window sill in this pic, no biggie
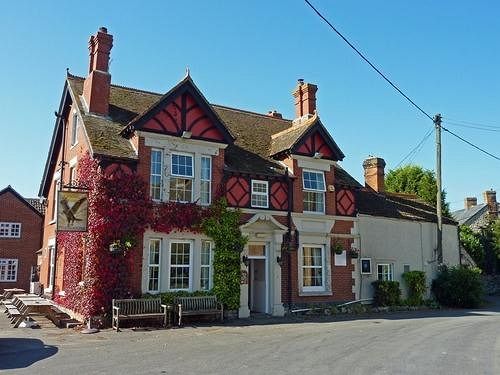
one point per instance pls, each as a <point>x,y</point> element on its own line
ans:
<point>314,212</point>
<point>312,293</point>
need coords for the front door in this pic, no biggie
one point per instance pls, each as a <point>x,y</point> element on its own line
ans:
<point>258,278</point>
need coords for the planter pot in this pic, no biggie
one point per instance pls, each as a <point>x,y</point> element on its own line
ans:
<point>354,255</point>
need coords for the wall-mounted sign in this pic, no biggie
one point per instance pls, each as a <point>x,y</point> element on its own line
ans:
<point>72,211</point>
<point>366,266</point>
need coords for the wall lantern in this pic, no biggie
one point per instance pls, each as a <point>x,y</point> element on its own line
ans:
<point>244,259</point>
<point>279,260</point>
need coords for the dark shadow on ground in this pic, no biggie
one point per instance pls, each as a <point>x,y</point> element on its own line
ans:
<point>23,352</point>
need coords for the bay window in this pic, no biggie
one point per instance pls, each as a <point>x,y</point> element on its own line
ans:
<point>154,265</point>
<point>181,180</point>
<point>180,266</point>
<point>313,268</point>
<point>206,176</point>
<point>314,191</point>
<point>260,194</point>
<point>206,278</point>
<point>156,174</point>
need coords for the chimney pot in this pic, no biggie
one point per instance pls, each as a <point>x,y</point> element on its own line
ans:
<point>490,198</point>
<point>97,84</point>
<point>470,202</point>
<point>305,98</point>
<point>374,173</point>
<point>274,113</point>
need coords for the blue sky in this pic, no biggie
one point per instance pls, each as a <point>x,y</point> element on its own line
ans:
<point>249,55</point>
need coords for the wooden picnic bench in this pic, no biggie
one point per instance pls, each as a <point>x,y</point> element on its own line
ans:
<point>204,305</point>
<point>143,308</point>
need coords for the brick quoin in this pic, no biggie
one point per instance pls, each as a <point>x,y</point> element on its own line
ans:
<point>24,248</point>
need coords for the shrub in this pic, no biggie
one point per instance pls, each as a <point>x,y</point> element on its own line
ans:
<point>167,298</point>
<point>387,293</point>
<point>458,286</point>
<point>415,280</point>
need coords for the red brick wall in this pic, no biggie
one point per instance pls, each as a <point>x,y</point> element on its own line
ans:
<point>341,276</point>
<point>49,226</point>
<point>24,248</point>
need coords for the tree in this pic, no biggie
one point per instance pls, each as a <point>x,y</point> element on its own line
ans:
<point>413,179</point>
<point>473,244</point>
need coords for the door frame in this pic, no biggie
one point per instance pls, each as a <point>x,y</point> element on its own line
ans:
<point>266,273</point>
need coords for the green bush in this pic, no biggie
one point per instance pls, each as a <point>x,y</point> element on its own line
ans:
<point>415,280</point>
<point>458,286</point>
<point>387,293</point>
<point>167,298</point>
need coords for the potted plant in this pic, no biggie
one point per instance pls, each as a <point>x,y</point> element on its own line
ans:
<point>337,248</point>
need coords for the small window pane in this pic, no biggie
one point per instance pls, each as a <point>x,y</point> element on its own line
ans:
<point>313,180</point>
<point>182,165</point>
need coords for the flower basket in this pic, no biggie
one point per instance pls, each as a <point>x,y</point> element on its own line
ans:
<point>354,253</point>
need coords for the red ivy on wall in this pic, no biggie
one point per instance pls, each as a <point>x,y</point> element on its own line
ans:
<point>119,208</point>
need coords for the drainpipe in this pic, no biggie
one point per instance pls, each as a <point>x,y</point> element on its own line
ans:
<point>289,235</point>
<point>63,147</point>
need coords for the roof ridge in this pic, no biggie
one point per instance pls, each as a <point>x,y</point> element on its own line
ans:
<point>293,127</point>
<point>250,112</point>
<point>120,86</point>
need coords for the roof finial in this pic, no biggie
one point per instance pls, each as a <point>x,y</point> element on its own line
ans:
<point>187,72</point>
<point>67,72</point>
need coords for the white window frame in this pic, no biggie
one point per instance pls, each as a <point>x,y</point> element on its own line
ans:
<point>260,193</point>
<point>191,245</point>
<point>74,130</point>
<point>151,175</point>
<point>209,180</point>
<point>209,265</point>
<point>321,288</point>
<point>361,266</point>
<point>52,265</point>
<point>8,227</point>
<point>317,191</point>
<point>5,264</point>
<point>172,164</point>
<point>154,265</point>
<point>181,176</point>
<point>390,273</point>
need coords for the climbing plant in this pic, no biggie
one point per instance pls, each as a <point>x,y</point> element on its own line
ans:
<point>222,225</point>
<point>120,210</point>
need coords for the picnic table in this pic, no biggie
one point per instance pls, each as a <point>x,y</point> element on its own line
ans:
<point>8,293</point>
<point>23,306</point>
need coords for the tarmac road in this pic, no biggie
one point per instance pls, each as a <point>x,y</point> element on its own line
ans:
<point>432,342</point>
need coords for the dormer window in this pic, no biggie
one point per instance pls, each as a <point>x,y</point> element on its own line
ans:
<point>260,194</point>
<point>314,191</point>
<point>181,180</point>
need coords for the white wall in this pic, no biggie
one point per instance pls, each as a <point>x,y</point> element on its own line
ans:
<point>401,242</point>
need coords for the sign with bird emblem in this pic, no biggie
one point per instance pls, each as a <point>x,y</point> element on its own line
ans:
<point>72,211</point>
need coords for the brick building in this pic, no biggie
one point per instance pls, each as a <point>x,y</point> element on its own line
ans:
<point>20,238</point>
<point>282,174</point>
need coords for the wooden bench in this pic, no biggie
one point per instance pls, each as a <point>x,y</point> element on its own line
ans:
<point>205,305</point>
<point>145,308</point>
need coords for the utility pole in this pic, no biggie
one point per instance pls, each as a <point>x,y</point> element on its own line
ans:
<point>437,124</point>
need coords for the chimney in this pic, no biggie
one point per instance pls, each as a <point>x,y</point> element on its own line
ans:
<point>470,202</point>
<point>305,99</point>
<point>490,198</point>
<point>374,173</point>
<point>274,113</point>
<point>97,84</point>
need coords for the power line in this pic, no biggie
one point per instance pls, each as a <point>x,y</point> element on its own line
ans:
<point>452,123</point>
<point>470,143</point>
<point>367,61</point>
<point>475,123</point>
<point>414,151</point>
<point>392,84</point>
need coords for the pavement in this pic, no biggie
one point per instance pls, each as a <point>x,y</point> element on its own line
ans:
<point>421,342</point>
